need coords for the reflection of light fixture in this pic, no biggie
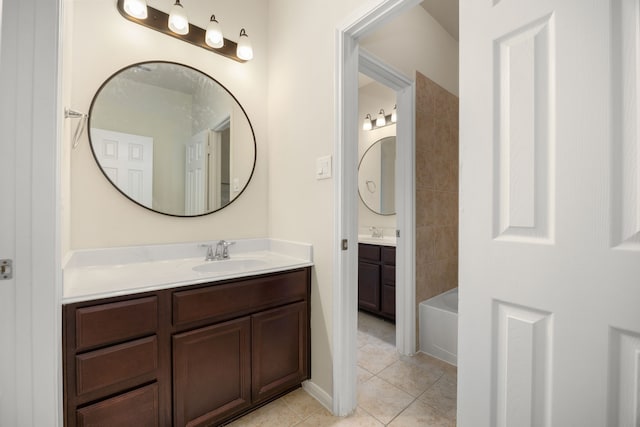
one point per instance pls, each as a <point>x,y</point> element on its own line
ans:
<point>381,121</point>
<point>367,123</point>
<point>214,36</point>
<point>245,51</point>
<point>394,114</point>
<point>136,8</point>
<point>178,20</point>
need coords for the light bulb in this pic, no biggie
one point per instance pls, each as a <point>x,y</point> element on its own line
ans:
<point>214,36</point>
<point>381,121</point>
<point>366,124</point>
<point>244,51</point>
<point>178,20</point>
<point>394,114</point>
<point>136,8</point>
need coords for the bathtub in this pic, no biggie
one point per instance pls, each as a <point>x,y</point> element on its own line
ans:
<point>439,326</point>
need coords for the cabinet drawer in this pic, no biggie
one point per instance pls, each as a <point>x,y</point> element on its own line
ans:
<point>369,252</point>
<point>136,408</point>
<point>219,302</point>
<point>106,324</point>
<point>388,275</point>
<point>389,255</point>
<point>121,363</point>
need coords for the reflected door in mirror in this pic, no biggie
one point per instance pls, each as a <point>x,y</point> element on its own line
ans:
<point>128,161</point>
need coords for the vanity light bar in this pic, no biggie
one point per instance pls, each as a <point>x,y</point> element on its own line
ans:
<point>372,124</point>
<point>157,20</point>
<point>382,120</point>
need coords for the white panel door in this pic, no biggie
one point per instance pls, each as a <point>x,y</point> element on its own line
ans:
<point>195,192</point>
<point>128,162</point>
<point>549,327</point>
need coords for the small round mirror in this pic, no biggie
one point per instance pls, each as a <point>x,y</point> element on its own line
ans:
<point>376,176</point>
<point>172,139</point>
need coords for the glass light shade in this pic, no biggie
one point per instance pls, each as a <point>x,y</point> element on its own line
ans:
<point>136,8</point>
<point>244,51</point>
<point>381,121</point>
<point>366,124</point>
<point>178,20</point>
<point>394,115</point>
<point>214,36</point>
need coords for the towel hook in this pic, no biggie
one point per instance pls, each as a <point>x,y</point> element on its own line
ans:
<point>73,114</point>
<point>371,186</point>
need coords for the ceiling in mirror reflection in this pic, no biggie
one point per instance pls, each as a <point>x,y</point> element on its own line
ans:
<point>172,139</point>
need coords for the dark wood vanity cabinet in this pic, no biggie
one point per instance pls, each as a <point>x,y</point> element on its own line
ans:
<point>113,362</point>
<point>377,280</point>
<point>195,356</point>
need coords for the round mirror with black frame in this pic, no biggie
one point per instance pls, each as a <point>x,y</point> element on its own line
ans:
<point>376,176</point>
<point>172,139</point>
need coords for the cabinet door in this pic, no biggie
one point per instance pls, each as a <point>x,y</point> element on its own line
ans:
<point>388,305</point>
<point>369,286</point>
<point>211,373</point>
<point>388,296</point>
<point>280,350</point>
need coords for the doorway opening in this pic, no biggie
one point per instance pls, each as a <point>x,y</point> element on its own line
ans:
<point>352,58</point>
<point>351,61</point>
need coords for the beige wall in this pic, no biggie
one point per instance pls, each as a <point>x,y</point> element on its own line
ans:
<point>301,128</point>
<point>436,189</point>
<point>99,42</point>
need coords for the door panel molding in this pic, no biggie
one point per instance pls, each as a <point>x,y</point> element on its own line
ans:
<point>624,378</point>
<point>524,133</point>
<point>625,109</point>
<point>522,357</point>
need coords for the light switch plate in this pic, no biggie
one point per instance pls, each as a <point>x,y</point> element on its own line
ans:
<point>323,167</point>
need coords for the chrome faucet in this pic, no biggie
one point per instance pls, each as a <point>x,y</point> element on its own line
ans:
<point>375,231</point>
<point>222,249</point>
<point>209,256</point>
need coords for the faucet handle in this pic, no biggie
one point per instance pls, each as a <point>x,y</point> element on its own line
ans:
<point>209,247</point>
<point>225,248</point>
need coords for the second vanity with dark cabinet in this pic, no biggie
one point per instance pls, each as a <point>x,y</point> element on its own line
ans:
<point>377,279</point>
<point>195,355</point>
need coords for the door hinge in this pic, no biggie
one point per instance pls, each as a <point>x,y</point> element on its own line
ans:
<point>345,244</point>
<point>6,269</point>
<point>397,233</point>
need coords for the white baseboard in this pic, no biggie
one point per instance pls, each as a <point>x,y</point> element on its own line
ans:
<point>319,394</point>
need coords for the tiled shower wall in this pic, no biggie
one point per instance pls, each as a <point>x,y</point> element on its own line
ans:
<point>436,190</point>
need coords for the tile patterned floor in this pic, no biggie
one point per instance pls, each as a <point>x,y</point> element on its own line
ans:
<point>393,390</point>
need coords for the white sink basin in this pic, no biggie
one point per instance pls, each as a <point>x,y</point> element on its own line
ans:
<point>230,266</point>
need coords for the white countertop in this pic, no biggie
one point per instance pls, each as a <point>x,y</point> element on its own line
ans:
<point>103,273</point>
<point>382,241</point>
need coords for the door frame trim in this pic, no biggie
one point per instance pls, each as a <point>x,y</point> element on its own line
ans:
<point>345,298</point>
